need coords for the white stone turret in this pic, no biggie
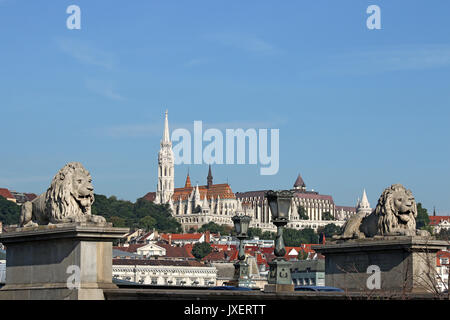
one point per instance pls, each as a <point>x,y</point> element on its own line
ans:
<point>205,205</point>
<point>239,209</point>
<point>364,205</point>
<point>213,208</point>
<point>293,210</point>
<point>180,206</point>
<point>218,205</point>
<point>197,201</point>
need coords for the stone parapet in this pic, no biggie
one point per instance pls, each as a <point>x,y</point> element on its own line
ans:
<point>64,261</point>
<point>403,263</point>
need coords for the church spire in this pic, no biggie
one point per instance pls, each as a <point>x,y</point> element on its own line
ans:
<point>188,181</point>
<point>166,136</point>
<point>165,187</point>
<point>209,179</point>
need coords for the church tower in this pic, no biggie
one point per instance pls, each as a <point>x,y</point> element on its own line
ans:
<point>165,188</point>
<point>209,179</point>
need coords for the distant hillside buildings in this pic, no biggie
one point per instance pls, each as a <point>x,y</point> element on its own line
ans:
<point>194,206</point>
<point>167,260</point>
<point>17,197</point>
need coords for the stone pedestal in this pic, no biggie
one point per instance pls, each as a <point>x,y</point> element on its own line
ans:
<point>241,275</point>
<point>279,279</point>
<point>65,261</point>
<point>405,264</point>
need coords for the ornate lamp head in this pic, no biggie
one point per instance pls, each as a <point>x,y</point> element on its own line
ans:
<point>279,204</point>
<point>241,224</point>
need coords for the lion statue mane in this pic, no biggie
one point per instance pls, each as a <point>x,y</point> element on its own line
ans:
<point>68,199</point>
<point>394,215</point>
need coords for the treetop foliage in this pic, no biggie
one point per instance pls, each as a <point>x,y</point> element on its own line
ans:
<point>9,212</point>
<point>142,214</point>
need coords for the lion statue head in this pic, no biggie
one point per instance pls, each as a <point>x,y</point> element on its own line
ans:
<point>396,210</point>
<point>68,199</point>
<point>71,192</point>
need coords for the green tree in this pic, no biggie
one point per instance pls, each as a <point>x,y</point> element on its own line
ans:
<point>9,212</point>
<point>254,232</point>
<point>118,222</point>
<point>327,216</point>
<point>201,250</point>
<point>132,214</point>
<point>329,230</point>
<point>423,219</point>
<point>302,213</point>
<point>191,230</point>
<point>147,223</point>
<point>302,255</point>
<point>444,234</point>
<point>213,228</point>
<point>267,235</point>
<point>294,238</point>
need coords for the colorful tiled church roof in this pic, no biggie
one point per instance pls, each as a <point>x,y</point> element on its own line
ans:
<point>222,190</point>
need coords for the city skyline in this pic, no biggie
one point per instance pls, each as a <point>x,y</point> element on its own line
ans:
<point>356,108</point>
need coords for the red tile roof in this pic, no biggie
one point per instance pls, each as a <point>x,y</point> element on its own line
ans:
<point>314,196</point>
<point>30,196</point>
<point>434,220</point>
<point>222,190</point>
<point>299,182</point>
<point>176,252</point>
<point>351,209</point>
<point>182,236</point>
<point>223,246</point>
<point>131,248</point>
<point>5,193</point>
<point>157,262</point>
<point>259,195</point>
<point>188,182</point>
<point>440,255</point>
<point>221,255</point>
<point>151,196</point>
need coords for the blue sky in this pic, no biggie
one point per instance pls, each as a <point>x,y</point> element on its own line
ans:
<point>356,108</point>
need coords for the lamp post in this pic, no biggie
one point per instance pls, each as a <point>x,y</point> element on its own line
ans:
<point>241,272</point>
<point>279,269</point>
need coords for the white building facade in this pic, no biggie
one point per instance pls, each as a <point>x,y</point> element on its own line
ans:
<point>164,273</point>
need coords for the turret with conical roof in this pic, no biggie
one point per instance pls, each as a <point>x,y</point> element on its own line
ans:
<point>299,184</point>
<point>188,182</point>
<point>209,179</point>
<point>364,205</point>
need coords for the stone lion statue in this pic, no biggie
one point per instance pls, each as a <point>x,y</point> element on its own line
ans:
<point>68,199</point>
<point>394,215</point>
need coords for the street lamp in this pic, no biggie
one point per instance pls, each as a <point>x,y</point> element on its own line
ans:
<point>280,270</point>
<point>241,272</point>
